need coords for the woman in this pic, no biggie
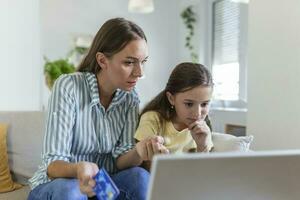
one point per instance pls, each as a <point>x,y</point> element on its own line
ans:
<point>92,118</point>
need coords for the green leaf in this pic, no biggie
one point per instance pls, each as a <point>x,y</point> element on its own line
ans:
<point>53,69</point>
<point>189,19</point>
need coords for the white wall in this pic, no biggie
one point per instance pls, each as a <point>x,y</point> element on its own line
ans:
<point>20,69</point>
<point>63,19</point>
<point>274,69</point>
<point>49,26</point>
<point>221,117</point>
<point>36,28</point>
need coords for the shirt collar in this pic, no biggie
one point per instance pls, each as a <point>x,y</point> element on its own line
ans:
<point>93,86</point>
<point>94,91</point>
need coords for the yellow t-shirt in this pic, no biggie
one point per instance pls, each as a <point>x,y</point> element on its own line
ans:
<point>175,141</point>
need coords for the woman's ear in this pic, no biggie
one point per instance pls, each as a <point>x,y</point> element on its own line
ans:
<point>101,60</point>
<point>170,98</point>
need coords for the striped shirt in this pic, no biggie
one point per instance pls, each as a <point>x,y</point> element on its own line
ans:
<point>78,128</point>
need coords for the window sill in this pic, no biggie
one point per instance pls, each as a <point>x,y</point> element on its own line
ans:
<point>229,109</point>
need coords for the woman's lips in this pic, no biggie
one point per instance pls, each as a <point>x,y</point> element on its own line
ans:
<point>132,83</point>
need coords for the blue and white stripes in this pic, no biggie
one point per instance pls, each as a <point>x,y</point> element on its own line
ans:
<point>78,128</point>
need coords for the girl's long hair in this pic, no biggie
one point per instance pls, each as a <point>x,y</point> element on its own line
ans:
<point>185,76</point>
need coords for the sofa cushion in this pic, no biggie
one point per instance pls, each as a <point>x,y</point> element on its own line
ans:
<point>6,183</point>
<point>226,142</point>
<point>24,140</point>
<point>20,194</point>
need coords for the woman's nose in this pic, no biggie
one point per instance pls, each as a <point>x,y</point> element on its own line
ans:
<point>138,70</point>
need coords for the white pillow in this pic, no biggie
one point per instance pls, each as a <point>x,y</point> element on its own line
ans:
<point>226,142</point>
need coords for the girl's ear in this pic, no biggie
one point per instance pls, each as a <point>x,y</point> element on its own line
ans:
<point>101,60</point>
<point>170,98</point>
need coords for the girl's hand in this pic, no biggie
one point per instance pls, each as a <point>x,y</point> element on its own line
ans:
<point>85,173</point>
<point>148,147</point>
<point>202,135</point>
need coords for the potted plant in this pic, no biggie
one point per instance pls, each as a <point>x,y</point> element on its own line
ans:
<point>53,69</point>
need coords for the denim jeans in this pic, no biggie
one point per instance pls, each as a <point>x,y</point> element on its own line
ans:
<point>132,183</point>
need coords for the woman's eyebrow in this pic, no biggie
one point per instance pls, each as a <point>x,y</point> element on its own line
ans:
<point>189,100</point>
<point>134,58</point>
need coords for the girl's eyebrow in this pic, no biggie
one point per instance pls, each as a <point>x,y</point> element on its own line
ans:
<point>190,100</point>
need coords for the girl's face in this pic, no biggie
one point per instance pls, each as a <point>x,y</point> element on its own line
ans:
<point>124,68</point>
<point>191,105</point>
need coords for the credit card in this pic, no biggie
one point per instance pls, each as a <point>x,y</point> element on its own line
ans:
<point>105,187</point>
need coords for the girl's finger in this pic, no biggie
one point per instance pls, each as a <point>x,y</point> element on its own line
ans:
<point>192,125</point>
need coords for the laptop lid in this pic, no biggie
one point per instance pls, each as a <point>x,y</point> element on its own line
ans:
<point>269,175</point>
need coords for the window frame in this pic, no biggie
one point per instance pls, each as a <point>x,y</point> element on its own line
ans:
<point>241,103</point>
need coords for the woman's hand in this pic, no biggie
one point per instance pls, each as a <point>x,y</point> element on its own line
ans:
<point>85,173</point>
<point>202,135</point>
<point>148,147</point>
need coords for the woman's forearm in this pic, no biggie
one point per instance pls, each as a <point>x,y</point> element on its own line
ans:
<point>62,169</point>
<point>129,159</point>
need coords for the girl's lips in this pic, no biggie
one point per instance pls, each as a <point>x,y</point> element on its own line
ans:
<point>190,119</point>
<point>193,120</point>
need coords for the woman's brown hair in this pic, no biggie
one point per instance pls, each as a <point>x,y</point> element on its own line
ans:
<point>111,38</point>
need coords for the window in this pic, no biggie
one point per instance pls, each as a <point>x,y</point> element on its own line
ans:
<point>228,52</point>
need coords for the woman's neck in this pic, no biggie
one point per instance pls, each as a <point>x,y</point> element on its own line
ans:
<point>106,92</point>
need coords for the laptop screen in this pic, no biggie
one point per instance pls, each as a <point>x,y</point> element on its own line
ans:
<point>272,175</point>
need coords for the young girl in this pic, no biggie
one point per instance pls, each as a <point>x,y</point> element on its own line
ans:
<point>176,119</point>
<point>92,117</point>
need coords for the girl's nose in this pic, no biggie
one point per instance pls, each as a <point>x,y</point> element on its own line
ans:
<point>197,112</point>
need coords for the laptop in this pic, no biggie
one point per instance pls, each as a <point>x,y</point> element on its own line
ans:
<point>268,175</point>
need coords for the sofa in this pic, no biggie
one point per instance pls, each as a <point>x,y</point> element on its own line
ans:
<point>24,145</point>
<point>25,140</point>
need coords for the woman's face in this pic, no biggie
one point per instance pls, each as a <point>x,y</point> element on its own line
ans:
<point>191,105</point>
<point>124,68</point>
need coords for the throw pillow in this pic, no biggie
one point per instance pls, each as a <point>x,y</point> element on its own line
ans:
<point>226,142</point>
<point>6,183</point>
